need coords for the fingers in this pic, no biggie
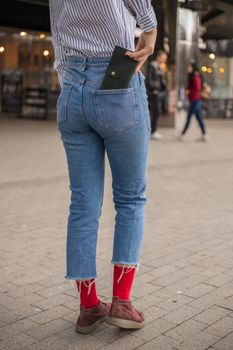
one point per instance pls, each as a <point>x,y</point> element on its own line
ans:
<point>140,56</point>
<point>139,66</point>
<point>137,54</point>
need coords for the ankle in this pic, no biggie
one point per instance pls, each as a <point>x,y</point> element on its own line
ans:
<point>88,295</point>
<point>122,281</point>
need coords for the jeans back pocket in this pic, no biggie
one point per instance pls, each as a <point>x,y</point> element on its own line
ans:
<point>116,109</point>
<point>62,102</point>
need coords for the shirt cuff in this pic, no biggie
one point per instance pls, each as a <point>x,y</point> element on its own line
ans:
<point>147,21</point>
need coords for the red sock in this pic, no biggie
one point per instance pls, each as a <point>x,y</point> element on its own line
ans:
<point>122,281</point>
<point>88,294</point>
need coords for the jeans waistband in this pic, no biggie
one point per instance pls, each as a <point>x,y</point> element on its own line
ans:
<point>88,61</point>
<point>85,62</point>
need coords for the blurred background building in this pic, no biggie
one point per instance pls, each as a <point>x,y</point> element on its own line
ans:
<point>200,30</point>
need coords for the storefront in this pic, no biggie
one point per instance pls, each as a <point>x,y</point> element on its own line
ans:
<point>29,84</point>
<point>205,35</point>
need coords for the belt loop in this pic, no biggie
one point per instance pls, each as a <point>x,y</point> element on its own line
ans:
<point>84,64</point>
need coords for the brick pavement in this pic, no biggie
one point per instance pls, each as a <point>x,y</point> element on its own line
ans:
<point>185,281</point>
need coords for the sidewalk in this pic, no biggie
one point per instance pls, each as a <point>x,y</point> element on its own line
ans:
<point>185,281</point>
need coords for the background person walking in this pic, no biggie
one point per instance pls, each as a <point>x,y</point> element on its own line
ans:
<point>157,87</point>
<point>194,91</point>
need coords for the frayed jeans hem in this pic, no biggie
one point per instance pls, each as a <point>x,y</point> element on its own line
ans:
<point>78,278</point>
<point>125,263</point>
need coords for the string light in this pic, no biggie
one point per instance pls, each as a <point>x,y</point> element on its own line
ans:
<point>222,70</point>
<point>46,53</point>
<point>204,69</point>
<point>42,36</point>
<point>209,70</point>
<point>2,49</point>
<point>23,34</point>
<point>212,56</point>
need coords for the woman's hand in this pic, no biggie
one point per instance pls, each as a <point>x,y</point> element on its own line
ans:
<point>145,47</point>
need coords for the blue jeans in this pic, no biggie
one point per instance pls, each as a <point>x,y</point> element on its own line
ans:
<point>195,108</point>
<point>92,121</point>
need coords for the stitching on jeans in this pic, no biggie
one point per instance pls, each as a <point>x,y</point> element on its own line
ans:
<point>135,108</point>
<point>66,89</point>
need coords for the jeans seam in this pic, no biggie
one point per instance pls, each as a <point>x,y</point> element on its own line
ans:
<point>60,121</point>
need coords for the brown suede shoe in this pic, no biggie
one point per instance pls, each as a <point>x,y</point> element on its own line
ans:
<point>123,314</point>
<point>89,319</point>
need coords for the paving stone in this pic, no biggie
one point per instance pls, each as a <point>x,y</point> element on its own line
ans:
<point>52,281</point>
<point>206,301</point>
<point>10,316</point>
<point>49,315</point>
<point>52,343</point>
<point>214,271</point>
<point>70,336</point>
<point>226,303</point>
<point>88,343</point>
<point>160,343</point>
<point>110,334</point>
<point>175,301</point>
<point>147,301</point>
<point>186,330</point>
<point>128,342</point>
<point>17,342</point>
<point>163,270</point>
<point>209,262</point>
<point>48,329</point>
<point>219,280</point>
<point>139,291</point>
<point>199,290</point>
<point>226,290</point>
<point>201,341</point>
<point>212,315</point>
<point>17,292</point>
<point>170,278</point>
<point>54,290</point>
<point>190,281</point>
<point>153,313</point>
<point>30,299</point>
<point>59,299</point>
<point>71,316</point>
<point>182,314</point>
<point>15,328</point>
<point>222,327</point>
<point>2,324</point>
<point>225,343</point>
<point>154,329</point>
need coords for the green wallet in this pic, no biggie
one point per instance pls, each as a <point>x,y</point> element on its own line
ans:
<point>119,71</point>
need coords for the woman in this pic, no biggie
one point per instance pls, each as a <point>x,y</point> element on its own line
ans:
<point>193,91</point>
<point>91,122</point>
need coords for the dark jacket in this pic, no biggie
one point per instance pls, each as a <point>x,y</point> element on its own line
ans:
<point>155,80</point>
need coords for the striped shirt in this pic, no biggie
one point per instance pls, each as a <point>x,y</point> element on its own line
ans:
<point>92,28</point>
